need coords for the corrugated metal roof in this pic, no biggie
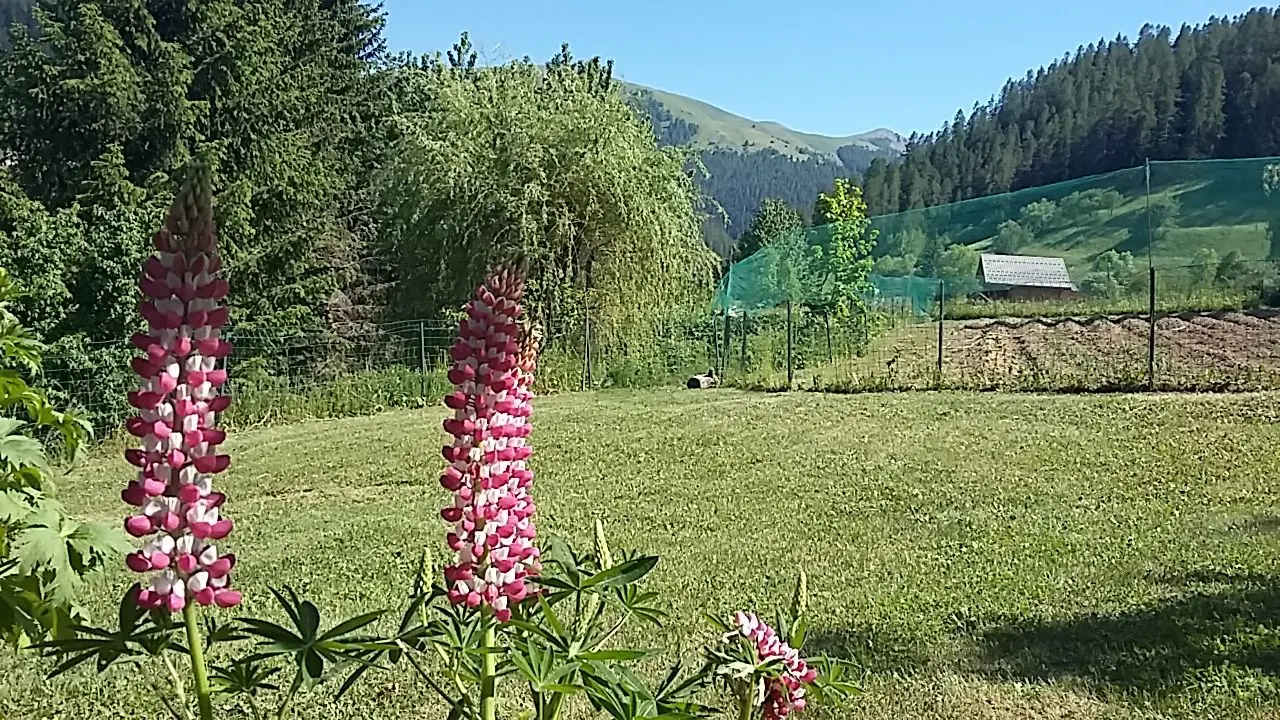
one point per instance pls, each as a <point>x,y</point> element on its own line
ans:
<point>1026,271</point>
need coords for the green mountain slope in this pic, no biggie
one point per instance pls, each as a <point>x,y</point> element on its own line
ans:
<point>1200,212</point>
<point>748,160</point>
<point>718,128</point>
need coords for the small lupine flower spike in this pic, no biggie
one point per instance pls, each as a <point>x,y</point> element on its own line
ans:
<point>785,694</point>
<point>178,511</point>
<point>492,513</point>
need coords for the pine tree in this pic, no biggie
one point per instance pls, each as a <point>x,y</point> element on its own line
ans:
<point>1209,91</point>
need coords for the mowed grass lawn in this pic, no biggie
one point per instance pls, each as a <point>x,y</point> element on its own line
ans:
<point>980,555</point>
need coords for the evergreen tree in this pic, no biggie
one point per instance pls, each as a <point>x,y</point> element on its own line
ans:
<point>774,220</point>
<point>13,12</point>
<point>1211,91</point>
<point>102,106</point>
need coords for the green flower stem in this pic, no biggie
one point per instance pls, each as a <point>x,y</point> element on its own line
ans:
<point>489,674</point>
<point>746,709</point>
<point>195,644</point>
<point>179,688</point>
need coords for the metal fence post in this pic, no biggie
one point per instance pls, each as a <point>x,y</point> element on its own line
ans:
<point>1151,329</point>
<point>826,319</point>
<point>742,359</point>
<point>714,343</point>
<point>942,314</point>
<point>586,348</point>
<point>229,388</point>
<point>422,358</point>
<point>790,371</point>
<point>722,356</point>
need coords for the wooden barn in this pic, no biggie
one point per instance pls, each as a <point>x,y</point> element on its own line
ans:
<point>1023,277</point>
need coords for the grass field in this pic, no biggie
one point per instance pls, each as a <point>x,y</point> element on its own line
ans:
<point>991,556</point>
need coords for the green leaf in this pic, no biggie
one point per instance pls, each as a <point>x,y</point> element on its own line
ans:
<point>288,604</point>
<point>15,506</point>
<point>552,619</point>
<point>19,451</point>
<point>312,666</point>
<point>97,541</point>
<point>308,619</point>
<point>271,632</point>
<point>39,548</point>
<point>561,688</point>
<point>624,573</point>
<point>614,655</point>
<point>797,634</point>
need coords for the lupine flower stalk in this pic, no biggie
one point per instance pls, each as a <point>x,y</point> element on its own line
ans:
<point>784,694</point>
<point>179,513</point>
<point>492,512</point>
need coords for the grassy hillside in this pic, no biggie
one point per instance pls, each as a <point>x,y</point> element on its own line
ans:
<point>750,160</point>
<point>718,128</point>
<point>987,556</point>
<point>1219,205</point>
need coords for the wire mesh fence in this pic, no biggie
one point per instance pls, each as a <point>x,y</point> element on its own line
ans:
<point>1162,276</point>
<point>346,372</point>
<point>274,376</point>
<point>1165,277</point>
<point>1193,329</point>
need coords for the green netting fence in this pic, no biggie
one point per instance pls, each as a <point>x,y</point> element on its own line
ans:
<point>1165,275</point>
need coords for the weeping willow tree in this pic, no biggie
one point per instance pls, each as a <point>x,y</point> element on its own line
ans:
<point>547,163</point>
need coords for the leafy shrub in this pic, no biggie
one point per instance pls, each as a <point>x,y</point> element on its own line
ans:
<point>45,555</point>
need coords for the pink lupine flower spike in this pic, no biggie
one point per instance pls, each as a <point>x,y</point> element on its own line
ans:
<point>785,694</point>
<point>492,513</point>
<point>179,513</point>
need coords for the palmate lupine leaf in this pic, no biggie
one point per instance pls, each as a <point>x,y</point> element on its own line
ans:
<point>309,649</point>
<point>58,550</point>
<point>18,451</point>
<point>15,508</point>
<point>138,636</point>
<point>43,550</point>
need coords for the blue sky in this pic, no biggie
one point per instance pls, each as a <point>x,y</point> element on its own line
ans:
<point>834,67</point>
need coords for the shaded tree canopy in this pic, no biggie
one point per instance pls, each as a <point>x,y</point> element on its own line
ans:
<point>105,102</point>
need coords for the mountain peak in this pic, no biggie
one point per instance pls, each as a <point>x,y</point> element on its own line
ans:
<point>711,127</point>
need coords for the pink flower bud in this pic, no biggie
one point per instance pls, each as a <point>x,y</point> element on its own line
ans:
<point>170,522</point>
<point>189,494</point>
<point>138,525</point>
<point>135,495</point>
<point>221,566</point>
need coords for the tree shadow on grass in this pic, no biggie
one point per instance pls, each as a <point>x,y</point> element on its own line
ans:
<point>1220,630</point>
<point>877,650</point>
